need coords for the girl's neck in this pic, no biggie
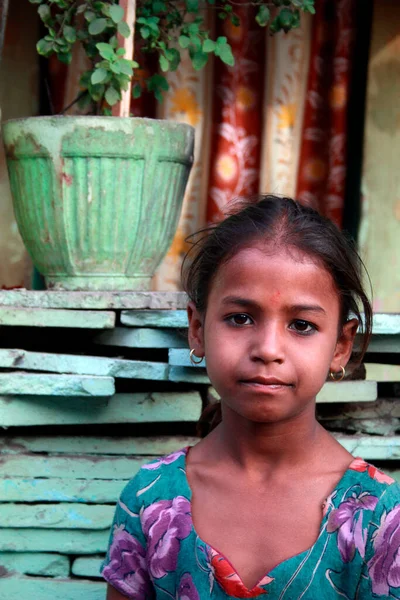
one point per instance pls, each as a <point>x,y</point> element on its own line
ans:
<point>274,445</point>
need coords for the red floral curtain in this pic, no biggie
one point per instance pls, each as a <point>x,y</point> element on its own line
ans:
<point>322,171</point>
<point>237,116</point>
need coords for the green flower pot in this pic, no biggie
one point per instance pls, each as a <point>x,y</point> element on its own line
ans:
<point>97,199</point>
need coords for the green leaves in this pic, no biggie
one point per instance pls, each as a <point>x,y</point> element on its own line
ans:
<point>224,51</point>
<point>263,16</point>
<point>97,26</point>
<point>116,13</point>
<point>105,50</point>
<point>124,29</point>
<point>69,34</point>
<point>99,76</point>
<point>112,96</point>
<point>44,13</point>
<point>166,28</point>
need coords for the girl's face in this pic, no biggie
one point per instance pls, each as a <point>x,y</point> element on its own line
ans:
<point>270,333</point>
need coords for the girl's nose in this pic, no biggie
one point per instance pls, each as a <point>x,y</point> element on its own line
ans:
<point>268,344</point>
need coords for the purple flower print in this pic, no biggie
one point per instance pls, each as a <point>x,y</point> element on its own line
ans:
<point>165,524</point>
<point>186,589</point>
<point>165,460</point>
<point>384,566</point>
<point>127,570</point>
<point>347,521</point>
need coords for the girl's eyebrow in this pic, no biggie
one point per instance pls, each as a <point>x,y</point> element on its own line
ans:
<point>307,308</point>
<point>295,308</point>
<point>240,301</point>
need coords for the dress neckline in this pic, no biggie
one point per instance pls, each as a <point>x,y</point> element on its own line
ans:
<point>326,508</point>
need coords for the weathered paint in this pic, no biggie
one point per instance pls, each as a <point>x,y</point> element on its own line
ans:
<point>53,489</point>
<point>38,317</point>
<point>383,407</point>
<point>71,541</point>
<point>30,563</point>
<point>177,319</point>
<point>70,467</point>
<point>188,375</point>
<point>385,343</point>
<point>178,357</point>
<point>74,444</point>
<point>48,589</point>
<point>87,567</point>
<point>94,300</point>
<point>143,338</point>
<point>379,372</point>
<point>112,227</point>
<point>121,408</point>
<point>83,365</point>
<point>371,447</point>
<point>56,516</point>
<point>41,384</point>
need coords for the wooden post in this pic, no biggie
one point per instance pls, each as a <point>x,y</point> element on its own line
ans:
<point>122,109</point>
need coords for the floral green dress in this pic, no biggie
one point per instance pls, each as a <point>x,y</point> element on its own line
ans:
<point>155,552</point>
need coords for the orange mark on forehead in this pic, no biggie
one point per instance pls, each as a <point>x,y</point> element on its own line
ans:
<point>275,297</point>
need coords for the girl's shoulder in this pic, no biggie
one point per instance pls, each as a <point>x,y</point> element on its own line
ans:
<point>161,478</point>
<point>371,476</point>
<point>364,486</point>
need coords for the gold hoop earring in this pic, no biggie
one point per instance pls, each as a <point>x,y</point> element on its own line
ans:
<point>335,377</point>
<point>193,361</point>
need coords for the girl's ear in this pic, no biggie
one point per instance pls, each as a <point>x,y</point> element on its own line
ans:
<point>344,345</point>
<point>196,330</point>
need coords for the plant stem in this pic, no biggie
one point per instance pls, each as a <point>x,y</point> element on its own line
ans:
<point>79,96</point>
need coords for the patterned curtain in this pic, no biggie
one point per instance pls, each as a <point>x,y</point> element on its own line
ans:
<point>237,111</point>
<point>322,170</point>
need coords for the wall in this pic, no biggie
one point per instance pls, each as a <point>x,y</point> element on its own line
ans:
<point>380,225</point>
<point>19,97</point>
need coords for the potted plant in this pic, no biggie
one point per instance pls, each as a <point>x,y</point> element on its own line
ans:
<point>97,198</point>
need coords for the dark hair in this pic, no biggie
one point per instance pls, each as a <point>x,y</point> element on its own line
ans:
<point>283,222</point>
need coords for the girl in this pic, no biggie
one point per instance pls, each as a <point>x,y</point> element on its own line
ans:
<point>268,503</point>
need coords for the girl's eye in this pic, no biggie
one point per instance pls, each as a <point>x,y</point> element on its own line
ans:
<point>239,319</point>
<point>303,327</point>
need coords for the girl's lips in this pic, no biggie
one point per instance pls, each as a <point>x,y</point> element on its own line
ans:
<point>266,381</point>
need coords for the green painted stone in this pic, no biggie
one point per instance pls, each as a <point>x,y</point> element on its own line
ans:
<point>348,391</point>
<point>30,563</point>
<point>65,541</point>
<point>386,323</point>
<point>143,338</point>
<point>180,358</point>
<point>87,566</point>
<point>56,516</point>
<point>155,318</point>
<point>42,384</point>
<point>97,199</point>
<point>371,447</point>
<point>122,408</point>
<point>38,588</point>
<point>74,444</point>
<point>189,375</point>
<point>38,317</point>
<point>83,365</point>
<point>101,300</point>
<point>52,489</point>
<point>385,343</point>
<point>70,467</point>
